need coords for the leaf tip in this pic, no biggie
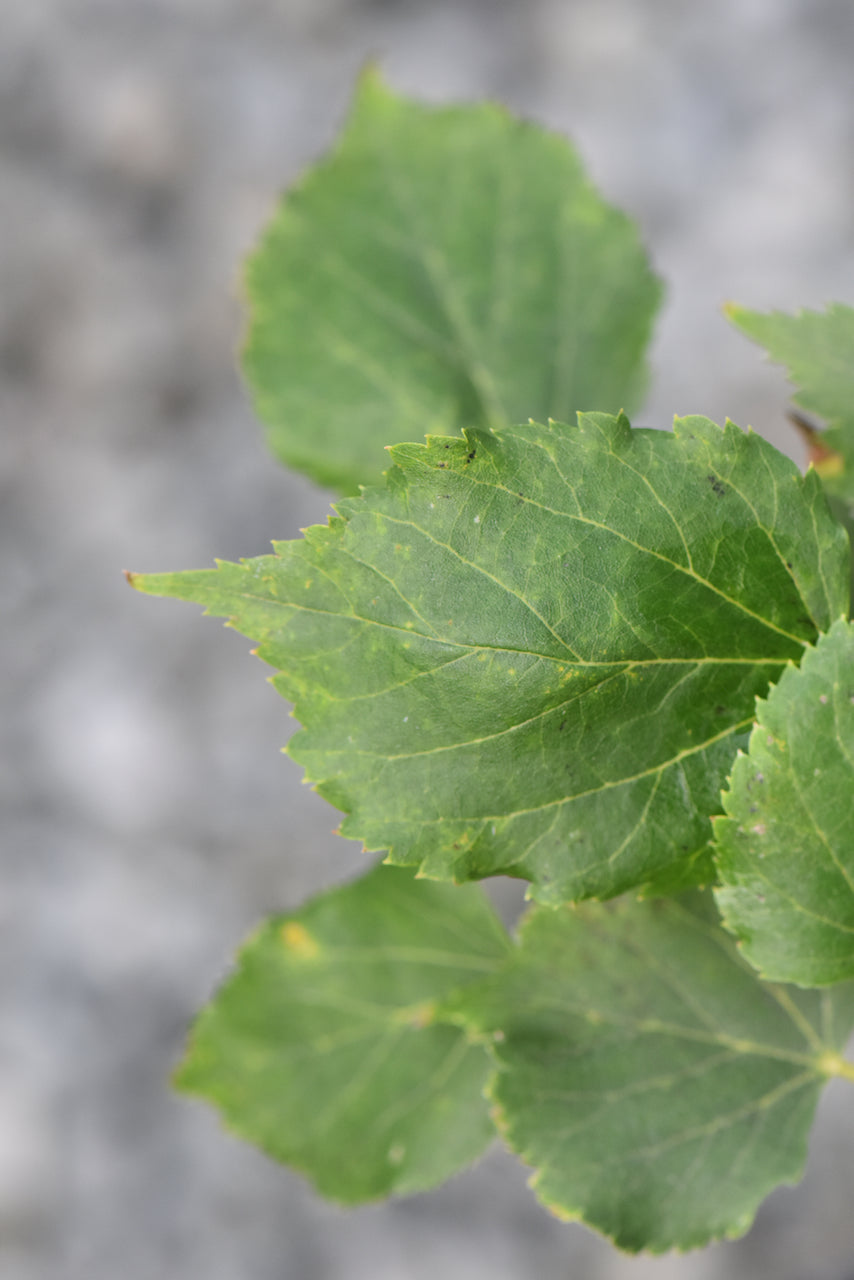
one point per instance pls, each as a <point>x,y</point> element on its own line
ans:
<point>371,78</point>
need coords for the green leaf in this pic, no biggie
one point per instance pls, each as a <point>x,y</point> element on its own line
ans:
<point>659,1089</point>
<point>785,851</point>
<point>441,268</point>
<point>323,1047</point>
<point>535,652</point>
<point>817,348</point>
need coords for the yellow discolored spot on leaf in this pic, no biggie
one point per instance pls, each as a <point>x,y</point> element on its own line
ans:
<point>827,462</point>
<point>417,1016</point>
<point>298,940</point>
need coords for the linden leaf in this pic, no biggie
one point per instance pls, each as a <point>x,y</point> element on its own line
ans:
<point>440,268</point>
<point>659,1089</point>
<point>324,1049</point>
<point>817,348</point>
<point>535,651</point>
<point>785,852</point>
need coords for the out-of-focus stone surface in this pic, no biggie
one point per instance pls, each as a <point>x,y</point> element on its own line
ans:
<point>148,818</point>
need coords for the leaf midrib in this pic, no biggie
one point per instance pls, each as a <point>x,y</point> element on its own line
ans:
<point>434,264</point>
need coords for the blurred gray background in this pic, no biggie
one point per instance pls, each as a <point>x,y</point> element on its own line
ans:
<point>149,820</point>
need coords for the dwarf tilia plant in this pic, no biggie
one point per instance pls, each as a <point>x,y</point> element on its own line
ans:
<point>615,663</point>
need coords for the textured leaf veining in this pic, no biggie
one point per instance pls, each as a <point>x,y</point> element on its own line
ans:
<point>656,1086</point>
<point>535,651</point>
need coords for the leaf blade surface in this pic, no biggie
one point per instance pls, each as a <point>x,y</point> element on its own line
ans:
<point>785,850</point>
<point>323,1047</point>
<point>441,268</point>
<point>534,652</point>
<point>656,1086</point>
<point>817,348</point>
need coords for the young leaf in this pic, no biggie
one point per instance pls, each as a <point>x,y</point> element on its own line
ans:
<point>441,268</point>
<point>785,852</point>
<point>657,1087</point>
<point>323,1047</point>
<point>818,350</point>
<point>534,651</point>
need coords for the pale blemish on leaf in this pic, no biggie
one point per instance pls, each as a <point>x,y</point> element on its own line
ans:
<point>314,1060</point>
<point>299,941</point>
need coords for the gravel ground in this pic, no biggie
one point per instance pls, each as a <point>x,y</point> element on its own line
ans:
<point>149,818</point>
